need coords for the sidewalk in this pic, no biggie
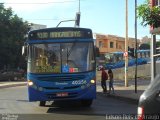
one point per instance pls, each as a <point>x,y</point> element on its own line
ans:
<point>6,84</point>
<point>127,93</point>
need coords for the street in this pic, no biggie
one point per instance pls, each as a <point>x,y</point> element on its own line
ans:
<point>14,104</point>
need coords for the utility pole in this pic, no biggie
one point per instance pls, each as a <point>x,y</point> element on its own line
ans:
<point>136,45</point>
<point>79,6</point>
<point>126,47</point>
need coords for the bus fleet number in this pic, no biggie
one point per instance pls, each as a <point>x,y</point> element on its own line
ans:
<point>79,82</point>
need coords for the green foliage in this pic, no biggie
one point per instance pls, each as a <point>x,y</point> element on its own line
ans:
<point>150,15</point>
<point>12,37</point>
<point>158,44</point>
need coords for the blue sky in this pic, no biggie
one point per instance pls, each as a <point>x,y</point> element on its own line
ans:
<point>102,16</point>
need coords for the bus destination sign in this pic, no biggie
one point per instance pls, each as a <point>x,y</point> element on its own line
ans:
<point>59,34</point>
<point>66,34</point>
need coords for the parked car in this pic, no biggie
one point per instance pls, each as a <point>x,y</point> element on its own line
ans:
<point>149,102</point>
<point>10,75</point>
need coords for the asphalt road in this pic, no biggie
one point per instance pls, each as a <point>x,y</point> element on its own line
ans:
<point>14,105</point>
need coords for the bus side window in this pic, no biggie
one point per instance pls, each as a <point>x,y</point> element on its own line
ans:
<point>138,55</point>
<point>141,55</point>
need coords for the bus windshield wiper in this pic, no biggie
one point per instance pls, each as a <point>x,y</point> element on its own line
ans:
<point>71,49</point>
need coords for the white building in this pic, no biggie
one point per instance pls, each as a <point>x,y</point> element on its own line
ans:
<point>37,26</point>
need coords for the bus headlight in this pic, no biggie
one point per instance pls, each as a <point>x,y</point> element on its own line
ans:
<point>30,83</point>
<point>93,81</point>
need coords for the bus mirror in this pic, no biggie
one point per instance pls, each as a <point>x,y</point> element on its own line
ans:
<point>24,50</point>
<point>158,96</point>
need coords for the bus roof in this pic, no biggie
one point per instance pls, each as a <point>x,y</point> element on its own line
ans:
<point>61,29</point>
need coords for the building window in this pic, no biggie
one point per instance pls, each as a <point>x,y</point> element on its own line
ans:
<point>111,44</point>
<point>100,44</point>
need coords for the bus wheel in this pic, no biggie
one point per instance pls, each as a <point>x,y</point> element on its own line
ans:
<point>86,103</point>
<point>42,103</point>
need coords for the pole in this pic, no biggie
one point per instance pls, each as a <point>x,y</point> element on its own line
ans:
<point>126,47</point>
<point>136,45</point>
<point>64,21</point>
<point>79,6</point>
<point>153,52</point>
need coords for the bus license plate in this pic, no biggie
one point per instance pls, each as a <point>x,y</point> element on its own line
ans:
<point>61,94</point>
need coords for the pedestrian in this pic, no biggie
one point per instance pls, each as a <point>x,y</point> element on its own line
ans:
<point>110,74</point>
<point>104,77</point>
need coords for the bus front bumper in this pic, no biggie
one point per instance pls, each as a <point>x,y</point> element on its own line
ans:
<point>78,94</point>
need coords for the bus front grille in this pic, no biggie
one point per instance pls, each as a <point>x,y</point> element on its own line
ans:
<point>60,88</point>
<point>61,78</point>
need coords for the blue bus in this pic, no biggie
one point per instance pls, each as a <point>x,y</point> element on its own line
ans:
<point>116,59</point>
<point>61,65</point>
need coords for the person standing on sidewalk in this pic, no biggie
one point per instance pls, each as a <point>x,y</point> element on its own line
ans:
<point>104,77</point>
<point>110,74</point>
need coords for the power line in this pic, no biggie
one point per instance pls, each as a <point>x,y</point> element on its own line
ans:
<point>41,19</point>
<point>46,19</point>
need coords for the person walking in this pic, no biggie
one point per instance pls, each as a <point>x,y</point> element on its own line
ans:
<point>110,74</point>
<point>104,77</point>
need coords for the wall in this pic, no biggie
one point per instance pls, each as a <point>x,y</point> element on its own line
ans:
<point>143,71</point>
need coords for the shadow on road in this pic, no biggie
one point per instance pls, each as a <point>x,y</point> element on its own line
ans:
<point>101,106</point>
<point>72,108</point>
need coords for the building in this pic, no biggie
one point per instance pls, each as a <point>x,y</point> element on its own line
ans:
<point>145,39</point>
<point>155,3</point>
<point>113,43</point>
<point>152,4</point>
<point>37,26</point>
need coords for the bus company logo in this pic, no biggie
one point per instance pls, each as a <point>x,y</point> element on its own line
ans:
<point>61,83</point>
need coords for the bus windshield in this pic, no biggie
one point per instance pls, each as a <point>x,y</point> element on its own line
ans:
<point>61,57</point>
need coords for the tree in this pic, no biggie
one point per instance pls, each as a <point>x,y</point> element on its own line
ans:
<point>12,37</point>
<point>150,15</point>
<point>157,44</point>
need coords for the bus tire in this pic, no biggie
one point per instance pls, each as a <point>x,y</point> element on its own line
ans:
<point>86,103</point>
<point>42,103</point>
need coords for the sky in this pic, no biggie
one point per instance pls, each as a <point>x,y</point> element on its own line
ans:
<point>102,16</point>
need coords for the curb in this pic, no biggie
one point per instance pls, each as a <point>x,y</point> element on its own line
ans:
<point>13,85</point>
